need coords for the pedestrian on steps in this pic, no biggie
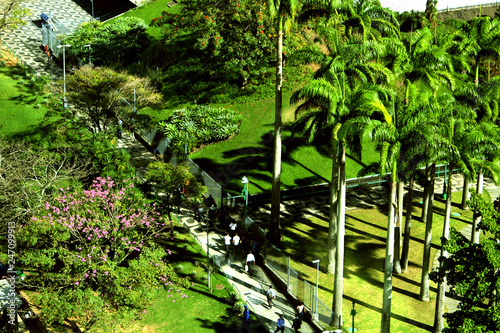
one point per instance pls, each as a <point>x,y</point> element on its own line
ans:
<point>281,324</point>
<point>271,294</point>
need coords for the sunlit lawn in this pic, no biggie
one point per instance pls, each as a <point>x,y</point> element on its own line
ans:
<point>250,153</point>
<point>18,112</point>
<point>365,237</point>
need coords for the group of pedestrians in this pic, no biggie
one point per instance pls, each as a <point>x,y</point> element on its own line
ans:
<point>296,324</point>
<point>234,244</point>
<point>280,323</point>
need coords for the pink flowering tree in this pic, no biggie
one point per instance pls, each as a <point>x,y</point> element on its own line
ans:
<point>92,255</point>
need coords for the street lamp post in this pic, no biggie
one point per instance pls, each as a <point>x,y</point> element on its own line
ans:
<point>88,45</point>
<point>92,9</point>
<point>64,72</point>
<point>315,315</point>
<point>203,219</point>
<point>245,182</point>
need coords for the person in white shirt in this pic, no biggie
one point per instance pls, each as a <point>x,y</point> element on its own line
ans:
<point>227,243</point>
<point>232,227</point>
<point>271,294</point>
<point>250,260</point>
<point>236,242</point>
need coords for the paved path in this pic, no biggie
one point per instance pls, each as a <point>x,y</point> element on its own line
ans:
<point>26,42</point>
<point>252,289</point>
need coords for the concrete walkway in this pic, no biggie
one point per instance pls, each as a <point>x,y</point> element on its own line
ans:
<point>252,289</point>
<point>26,42</point>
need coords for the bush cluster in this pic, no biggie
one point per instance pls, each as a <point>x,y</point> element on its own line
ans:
<point>120,42</point>
<point>198,125</point>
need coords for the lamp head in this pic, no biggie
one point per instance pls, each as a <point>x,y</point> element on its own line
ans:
<point>244,180</point>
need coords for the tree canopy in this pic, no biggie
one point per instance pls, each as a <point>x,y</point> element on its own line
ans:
<point>91,255</point>
<point>100,96</point>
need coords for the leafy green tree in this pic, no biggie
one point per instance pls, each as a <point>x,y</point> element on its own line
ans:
<point>91,255</point>
<point>472,273</point>
<point>108,160</point>
<point>99,96</point>
<point>120,42</point>
<point>176,182</point>
<point>233,38</point>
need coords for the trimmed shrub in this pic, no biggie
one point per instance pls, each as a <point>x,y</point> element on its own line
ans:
<point>200,125</point>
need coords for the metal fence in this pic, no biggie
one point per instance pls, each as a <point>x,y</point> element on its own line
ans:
<point>212,187</point>
<point>468,7</point>
<point>280,265</point>
<point>48,38</point>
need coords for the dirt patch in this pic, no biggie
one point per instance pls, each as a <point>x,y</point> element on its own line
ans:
<point>8,58</point>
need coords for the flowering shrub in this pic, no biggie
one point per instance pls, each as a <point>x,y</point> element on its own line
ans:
<point>233,35</point>
<point>92,255</point>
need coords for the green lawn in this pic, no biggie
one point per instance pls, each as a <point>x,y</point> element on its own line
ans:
<point>250,153</point>
<point>18,104</point>
<point>305,240</point>
<point>194,309</point>
<point>150,11</point>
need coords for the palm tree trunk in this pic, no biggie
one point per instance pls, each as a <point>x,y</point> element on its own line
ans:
<point>406,239</point>
<point>423,218</point>
<point>274,228</point>
<point>466,193</point>
<point>424,284</point>
<point>389,258</point>
<point>397,229</point>
<point>477,217</point>
<point>440,298</point>
<point>332,225</point>
<point>338,287</point>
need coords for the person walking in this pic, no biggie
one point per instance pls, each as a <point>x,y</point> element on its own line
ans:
<point>271,294</point>
<point>227,243</point>
<point>281,324</point>
<point>250,262</point>
<point>232,227</point>
<point>296,323</point>
<point>236,243</point>
<point>246,314</point>
<point>300,311</point>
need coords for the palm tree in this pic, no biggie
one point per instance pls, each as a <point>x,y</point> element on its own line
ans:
<point>329,101</point>
<point>459,137</point>
<point>482,100</point>
<point>283,12</point>
<point>381,128</point>
<point>367,18</point>
<point>484,37</point>
<point>380,124</point>
<point>342,69</point>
